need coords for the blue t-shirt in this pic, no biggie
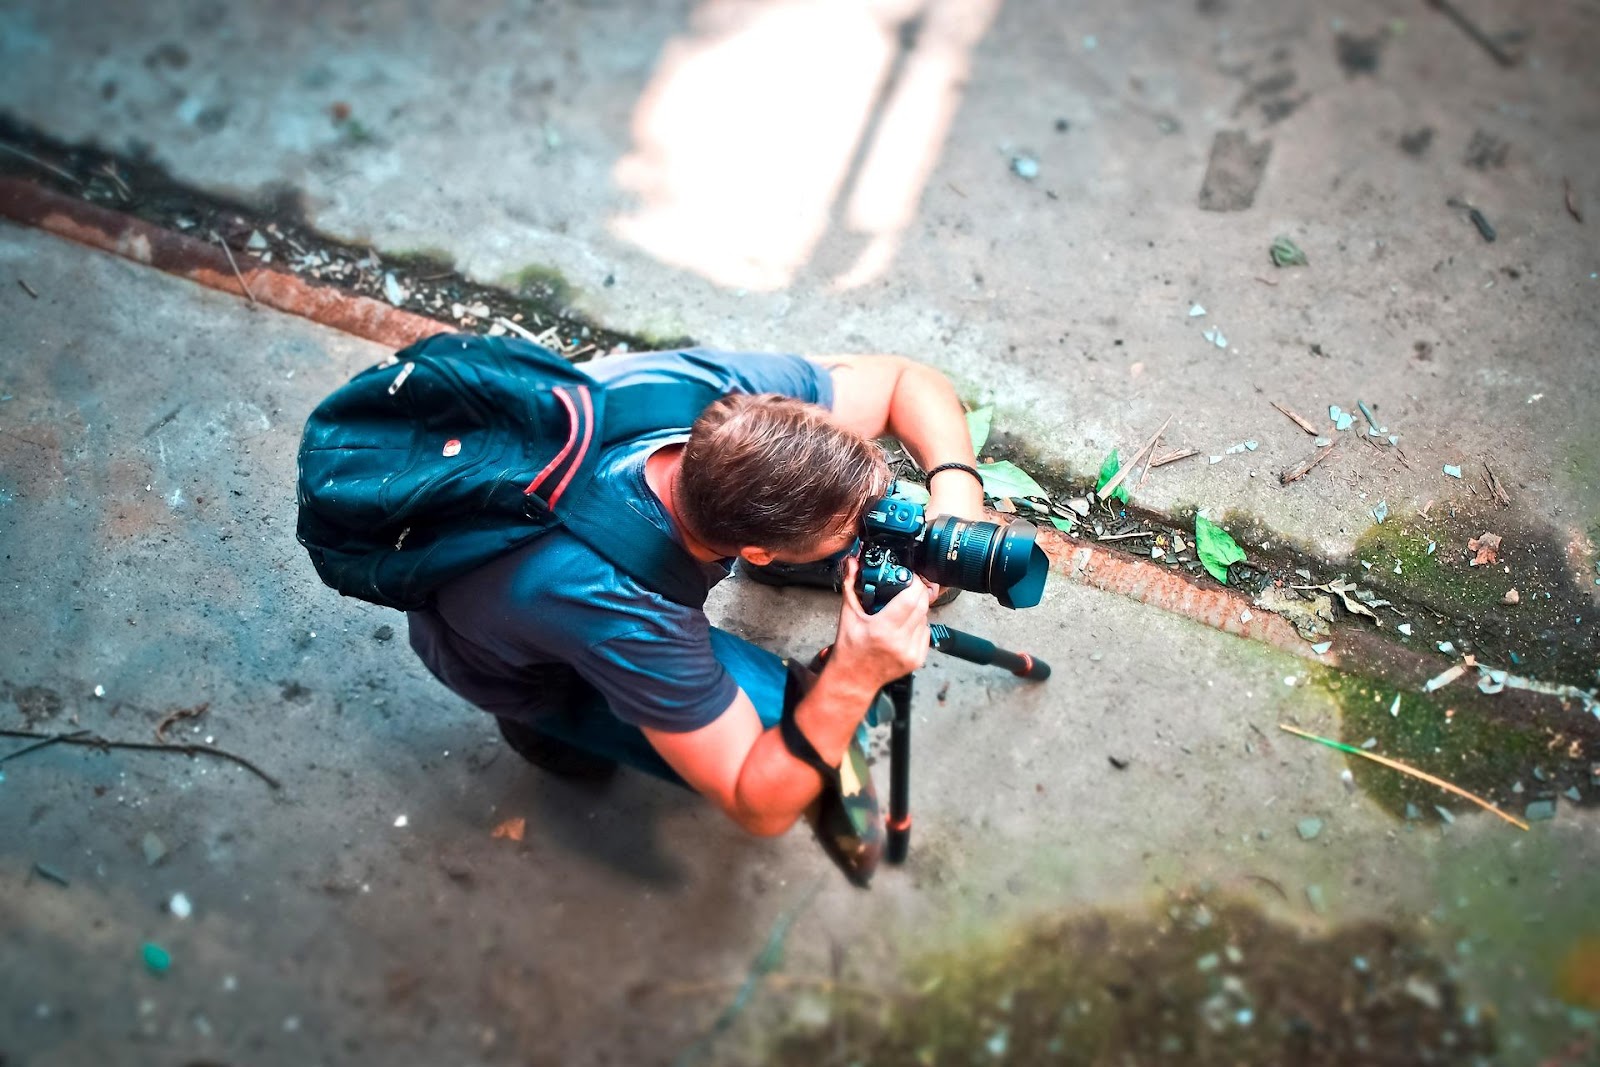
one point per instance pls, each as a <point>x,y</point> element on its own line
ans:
<point>556,601</point>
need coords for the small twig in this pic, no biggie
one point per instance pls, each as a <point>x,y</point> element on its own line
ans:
<point>36,161</point>
<point>1264,880</point>
<point>1266,281</point>
<point>1290,476</point>
<point>1296,419</point>
<point>109,169</point>
<point>516,328</point>
<point>586,348</point>
<point>179,713</point>
<point>50,874</point>
<point>1367,414</point>
<point>1105,491</point>
<point>1145,476</point>
<point>26,288</point>
<point>1572,201</point>
<point>46,743</point>
<point>1124,537</point>
<point>1470,28</point>
<point>956,189</point>
<point>1173,457</point>
<point>1406,769</point>
<point>229,252</point>
<point>1497,490</point>
<point>96,741</point>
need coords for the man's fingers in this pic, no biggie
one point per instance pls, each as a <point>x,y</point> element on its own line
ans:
<point>852,567</point>
<point>906,601</point>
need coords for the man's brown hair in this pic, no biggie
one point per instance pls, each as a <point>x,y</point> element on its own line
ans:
<point>768,471</point>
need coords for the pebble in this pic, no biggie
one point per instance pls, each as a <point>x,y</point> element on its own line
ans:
<point>155,849</point>
<point>1315,897</point>
<point>1540,810</point>
<point>1309,828</point>
<point>1424,990</point>
<point>158,959</point>
<point>393,291</point>
<point>179,906</point>
<point>1025,167</point>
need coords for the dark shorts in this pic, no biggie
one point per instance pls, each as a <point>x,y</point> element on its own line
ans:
<point>569,709</point>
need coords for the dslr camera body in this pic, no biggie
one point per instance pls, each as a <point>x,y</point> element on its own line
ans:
<point>898,543</point>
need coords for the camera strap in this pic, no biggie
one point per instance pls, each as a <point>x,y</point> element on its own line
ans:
<point>798,684</point>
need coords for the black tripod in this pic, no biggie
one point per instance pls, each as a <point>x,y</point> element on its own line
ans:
<point>961,645</point>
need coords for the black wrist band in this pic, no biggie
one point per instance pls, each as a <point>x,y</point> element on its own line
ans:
<point>956,467</point>
<point>800,746</point>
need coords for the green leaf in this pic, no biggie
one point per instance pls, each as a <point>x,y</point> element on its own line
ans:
<point>1108,471</point>
<point>978,423</point>
<point>912,491</point>
<point>1217,550</point>
<point>1064,525</point>
<point>1285,253</point>
<point>1005,478</point>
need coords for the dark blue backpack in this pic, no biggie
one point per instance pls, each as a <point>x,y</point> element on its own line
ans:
<point>463,448</point>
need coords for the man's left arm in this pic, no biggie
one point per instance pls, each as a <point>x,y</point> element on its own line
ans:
<point>917,405</point>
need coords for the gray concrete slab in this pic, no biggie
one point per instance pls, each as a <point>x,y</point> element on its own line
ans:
<point>816,176</point>
<point>147,452</point>
<point>782,175</point>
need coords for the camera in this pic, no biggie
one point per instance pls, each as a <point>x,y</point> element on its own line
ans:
<point>897,542</point>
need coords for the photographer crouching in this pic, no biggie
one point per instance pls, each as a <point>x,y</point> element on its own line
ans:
<point>589,659</point>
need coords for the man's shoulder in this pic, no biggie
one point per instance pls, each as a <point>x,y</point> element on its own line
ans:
<point>725,369</point>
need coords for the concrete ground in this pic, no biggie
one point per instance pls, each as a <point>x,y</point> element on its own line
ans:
<point>743,176</point>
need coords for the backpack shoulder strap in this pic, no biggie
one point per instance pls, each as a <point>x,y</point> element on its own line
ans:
<point>603,519</point>
<point>644,407</point>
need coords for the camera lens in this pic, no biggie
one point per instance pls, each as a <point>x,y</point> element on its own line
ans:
<point>985,557</point>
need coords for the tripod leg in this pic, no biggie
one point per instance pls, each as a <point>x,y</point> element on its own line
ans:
<point>898,823</point>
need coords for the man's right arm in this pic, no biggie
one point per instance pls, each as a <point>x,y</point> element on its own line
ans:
<point>748,772</point>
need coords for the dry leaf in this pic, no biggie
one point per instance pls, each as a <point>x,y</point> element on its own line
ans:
<point>511,828</point>
<point>1486,546</point>
<point>1352,605</point>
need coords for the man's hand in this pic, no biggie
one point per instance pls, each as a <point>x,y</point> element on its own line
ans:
<point>877,649</point>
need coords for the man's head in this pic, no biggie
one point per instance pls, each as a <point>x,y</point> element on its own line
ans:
<point>770,477</point>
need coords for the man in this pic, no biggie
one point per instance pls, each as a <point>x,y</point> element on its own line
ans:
<point>586,668</point>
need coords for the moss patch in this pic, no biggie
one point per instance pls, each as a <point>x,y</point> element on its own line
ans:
<point>543,284</point>
<point>1463,737</point>
<point>425,261</point>
<point>1199,982</point>
<point>1550,631</point>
